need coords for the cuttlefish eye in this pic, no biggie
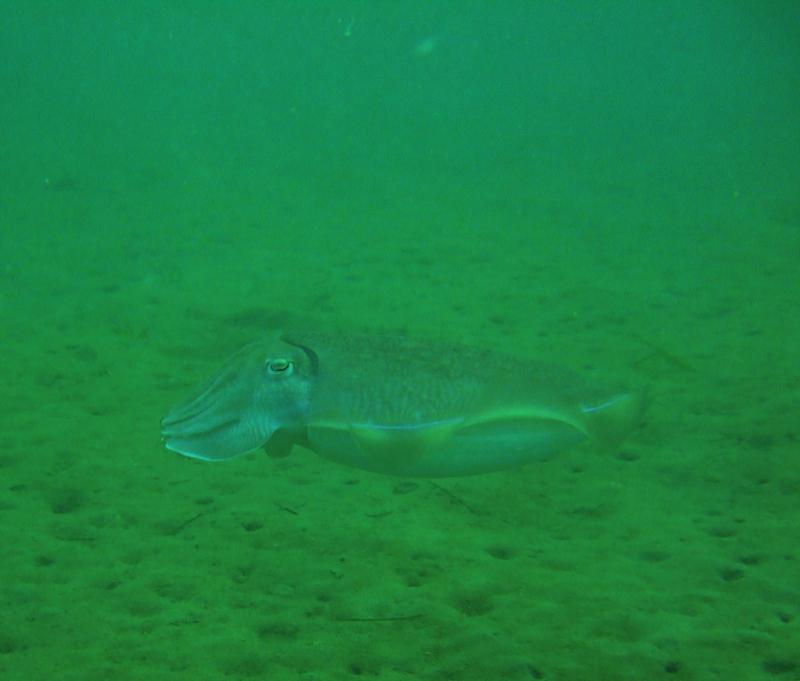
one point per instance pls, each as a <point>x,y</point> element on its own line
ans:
<point>279,366</point>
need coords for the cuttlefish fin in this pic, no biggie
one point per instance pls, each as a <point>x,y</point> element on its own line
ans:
<point>382,448</point>
<point>408,441</point>
<point>609,422</point>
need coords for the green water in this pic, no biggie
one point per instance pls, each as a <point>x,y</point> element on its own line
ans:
<point>612,186</point>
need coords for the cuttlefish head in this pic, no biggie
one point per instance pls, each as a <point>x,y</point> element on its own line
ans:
<point>262,388</point>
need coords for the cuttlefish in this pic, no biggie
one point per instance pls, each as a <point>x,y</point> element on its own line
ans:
<point>395,405</point>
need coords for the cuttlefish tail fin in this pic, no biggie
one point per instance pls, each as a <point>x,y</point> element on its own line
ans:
<point>610,421</point>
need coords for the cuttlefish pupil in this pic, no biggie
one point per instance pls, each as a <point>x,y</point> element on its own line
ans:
<point>277,366</point>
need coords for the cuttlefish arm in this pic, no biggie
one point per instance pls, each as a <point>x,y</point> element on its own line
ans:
<point>261,389</point>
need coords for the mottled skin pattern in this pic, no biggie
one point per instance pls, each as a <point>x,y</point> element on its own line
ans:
<point>396,380</point>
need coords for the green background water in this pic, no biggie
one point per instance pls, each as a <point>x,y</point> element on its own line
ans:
<point>611,186</point>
